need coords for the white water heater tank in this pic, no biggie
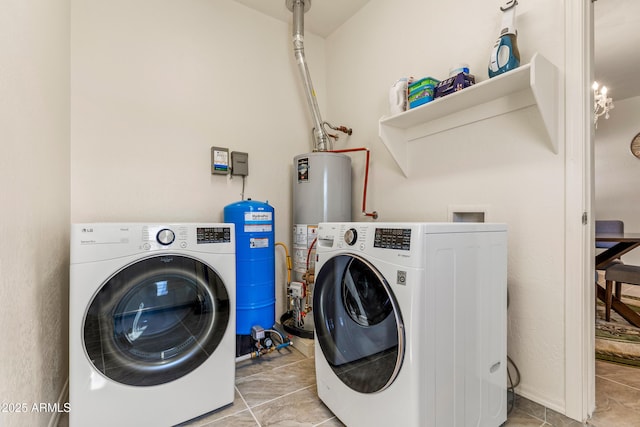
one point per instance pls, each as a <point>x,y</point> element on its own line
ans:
<point>321,193</point>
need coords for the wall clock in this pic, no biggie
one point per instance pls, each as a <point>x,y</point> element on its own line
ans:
<point>635,145</point>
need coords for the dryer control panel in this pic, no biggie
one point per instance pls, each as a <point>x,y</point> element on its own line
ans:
<point>183,237</point>
<point>213,235</point>
<point>102,241</point>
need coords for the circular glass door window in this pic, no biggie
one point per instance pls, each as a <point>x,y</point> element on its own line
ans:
<point>358,324</point>
<point>156,320</point>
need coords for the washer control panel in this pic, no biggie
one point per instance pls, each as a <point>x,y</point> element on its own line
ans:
<point>351,236</point>
<point>392,238</point>
<point>165,236</point>
<point>156,237</point>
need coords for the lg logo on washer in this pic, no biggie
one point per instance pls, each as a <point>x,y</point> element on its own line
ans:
<point>103,235</point>
<point>89,240</point>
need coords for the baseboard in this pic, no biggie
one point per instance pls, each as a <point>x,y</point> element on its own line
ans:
<point>537,410</point>
<point>62,399</point>
<point>303,345</point>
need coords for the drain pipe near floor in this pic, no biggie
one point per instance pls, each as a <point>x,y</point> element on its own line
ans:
<point>262,352</point>
<point>268,348</point>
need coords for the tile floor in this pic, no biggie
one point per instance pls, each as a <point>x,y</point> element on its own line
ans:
<point>279,390</point>
<point>617,402</point>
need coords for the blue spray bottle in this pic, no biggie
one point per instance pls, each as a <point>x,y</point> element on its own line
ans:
<point>505,55</point>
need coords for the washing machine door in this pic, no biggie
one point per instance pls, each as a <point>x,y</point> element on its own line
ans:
<point>358,324</point>
<point>156,320</point>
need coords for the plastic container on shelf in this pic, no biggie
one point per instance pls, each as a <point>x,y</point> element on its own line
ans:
<point>419,84</point>
<point>421,91</point>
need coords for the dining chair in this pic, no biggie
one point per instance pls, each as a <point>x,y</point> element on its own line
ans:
<point>604,226</point>
<point>608,226</point>
<point>616,275</point>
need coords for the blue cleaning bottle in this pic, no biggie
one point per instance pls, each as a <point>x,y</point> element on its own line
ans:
<point>505,55</point>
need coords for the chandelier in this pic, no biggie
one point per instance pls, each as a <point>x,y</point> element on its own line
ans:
<point>601,104</point>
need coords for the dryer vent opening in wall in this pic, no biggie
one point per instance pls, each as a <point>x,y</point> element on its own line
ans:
<point>468,217</point>
<point>468,213</point>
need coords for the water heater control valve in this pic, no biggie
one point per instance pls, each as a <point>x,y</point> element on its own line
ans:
<point>351,236</point>
<point>296,289</point>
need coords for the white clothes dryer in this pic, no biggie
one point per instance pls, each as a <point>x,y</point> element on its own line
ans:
<point>411,323</point>
<point>152,322</point>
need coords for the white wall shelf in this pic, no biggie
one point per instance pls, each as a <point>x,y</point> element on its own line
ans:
<point>535,83</point>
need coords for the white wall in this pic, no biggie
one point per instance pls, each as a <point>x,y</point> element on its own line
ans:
<point>504,164</point>
<point>34,219</point>
<point>617,171</point>
<point>156,83</point>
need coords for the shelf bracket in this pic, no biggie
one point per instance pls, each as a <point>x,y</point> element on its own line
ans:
<point>396,142</point>
<point>544,86</point>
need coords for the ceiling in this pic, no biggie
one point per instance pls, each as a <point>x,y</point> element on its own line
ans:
<point>324,17</point>
<point>617,35</point>
<point>617,38</point>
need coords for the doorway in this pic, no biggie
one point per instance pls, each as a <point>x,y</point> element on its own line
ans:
<point>615,33</point>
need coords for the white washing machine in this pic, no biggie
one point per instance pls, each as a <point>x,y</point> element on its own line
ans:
<point>411,323</point>
<point>152,323</point>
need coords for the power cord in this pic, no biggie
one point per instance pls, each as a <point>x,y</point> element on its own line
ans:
<point>512,386</point>
<point>511,390</point>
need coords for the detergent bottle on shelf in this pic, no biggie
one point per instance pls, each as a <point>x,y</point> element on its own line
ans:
<point>398,96</point>
<point>505,55</point>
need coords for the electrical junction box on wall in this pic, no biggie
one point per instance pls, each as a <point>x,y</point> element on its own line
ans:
<point>219,161</point>
<point>239,163</point>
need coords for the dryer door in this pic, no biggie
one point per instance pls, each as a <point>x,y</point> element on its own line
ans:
<point>358,324</point>
<point>156,320</point>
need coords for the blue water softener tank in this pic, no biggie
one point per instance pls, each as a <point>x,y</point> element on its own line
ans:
<point>255,264</point>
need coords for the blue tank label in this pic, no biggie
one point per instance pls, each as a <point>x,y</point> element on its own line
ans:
<point>257,216</point>
<point>258,228</point>
<point>259,242</point>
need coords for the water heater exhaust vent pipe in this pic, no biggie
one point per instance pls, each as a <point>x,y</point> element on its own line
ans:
<point>299,7</point>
